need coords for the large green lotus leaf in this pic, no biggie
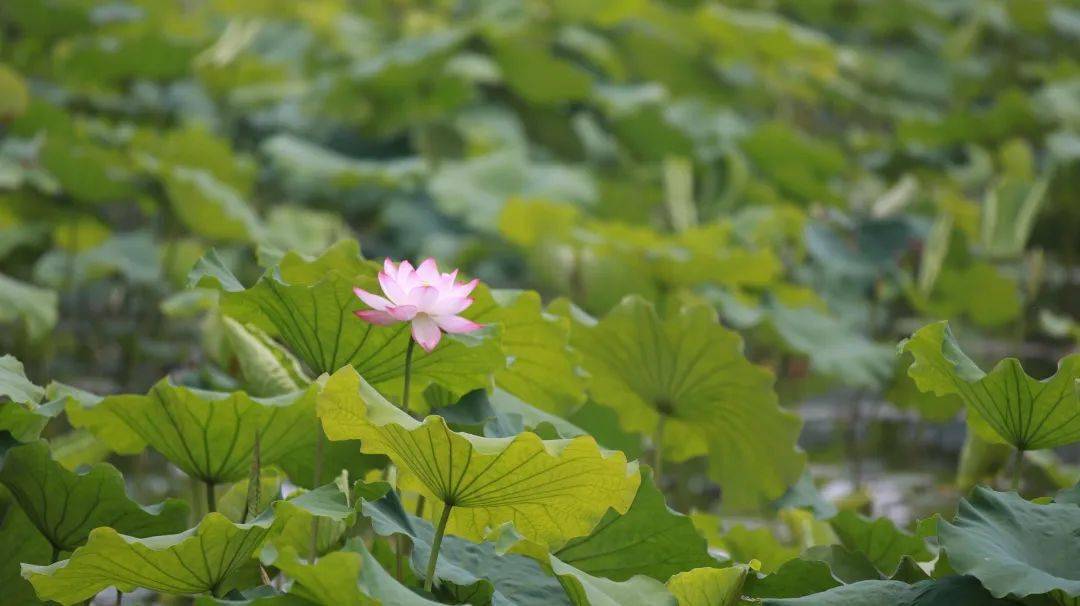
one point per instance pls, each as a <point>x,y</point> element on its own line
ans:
<point>35,308</point>
<point>65,506</point>
<point>23,414</point>
<point>541,368</point>
<point>1027,413</point>
<point>22,543</point>
<point>708,586</point>
<point>879,540</point>
<point>649,539</point>
<point>210,435</point>
<point>199,560</point>
<point>349,577</point>
<point>309,304</point>
<point>550,490</point>
<point>948,591</point>
<point>1013,546</point>
<point>587,590</point>
<point>467,571</point>
<point>690,372</point>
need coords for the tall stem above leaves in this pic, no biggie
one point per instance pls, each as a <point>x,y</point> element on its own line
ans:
<point>408,375</point>
<point>433,559</point>
<point>399,551</point>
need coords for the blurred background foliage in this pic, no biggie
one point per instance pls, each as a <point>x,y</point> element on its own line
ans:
<point>829,174</point>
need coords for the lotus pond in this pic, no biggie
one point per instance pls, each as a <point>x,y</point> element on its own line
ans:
<point>540,302</point>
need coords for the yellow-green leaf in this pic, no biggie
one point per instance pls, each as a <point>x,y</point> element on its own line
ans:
<point>551,490</point>
<point>210,435</point>
<point>541,367</point>
<point>708,586</point>
<point>1027,413</point>
<point>196,561</point>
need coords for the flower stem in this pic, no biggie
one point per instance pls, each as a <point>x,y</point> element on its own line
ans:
<point>408,374</point>
<point>1018,467</point>
<point>211,501</point>
<point>658,450</point>
<point>435,544</point>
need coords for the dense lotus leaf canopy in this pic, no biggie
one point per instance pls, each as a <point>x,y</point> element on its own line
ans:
<point>700,227</point>
<point>550,490</point>
<point>1027,413</point>
<point>689,372</point>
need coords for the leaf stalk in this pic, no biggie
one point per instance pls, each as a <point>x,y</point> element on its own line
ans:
<point>435,545</point>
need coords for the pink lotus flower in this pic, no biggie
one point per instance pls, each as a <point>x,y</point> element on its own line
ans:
<point>423,296</point>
